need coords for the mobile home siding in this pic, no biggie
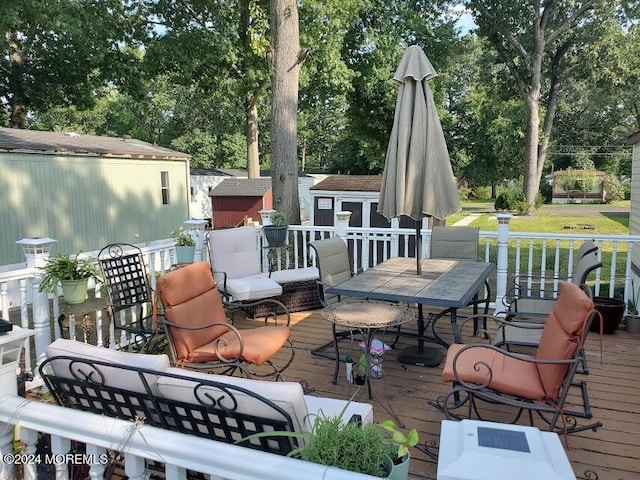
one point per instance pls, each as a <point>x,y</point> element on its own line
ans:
<point>634,213</point>
<point>85,202</point>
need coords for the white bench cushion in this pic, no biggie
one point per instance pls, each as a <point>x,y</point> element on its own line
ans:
<point>124,379</point>
<point>253,287</point>
<point>287,395</point>
<point>295,275</point>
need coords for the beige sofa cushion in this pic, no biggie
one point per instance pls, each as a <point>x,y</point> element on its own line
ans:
<point>295,275</point>
<point>125,379</point>
<point>253,287</point>
<point>287,395</point>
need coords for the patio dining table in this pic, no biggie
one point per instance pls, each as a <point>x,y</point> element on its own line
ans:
<point>451,284</point>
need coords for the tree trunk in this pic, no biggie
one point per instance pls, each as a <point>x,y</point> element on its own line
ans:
<point>531,180</point>
<point>17,97</point>
<point>285,72</point>
<point>253,155</point>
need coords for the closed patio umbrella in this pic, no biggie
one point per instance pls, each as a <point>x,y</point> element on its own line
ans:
<point>418,179</point>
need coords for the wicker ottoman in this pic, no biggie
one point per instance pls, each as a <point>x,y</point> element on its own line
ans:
<point>299,291</point>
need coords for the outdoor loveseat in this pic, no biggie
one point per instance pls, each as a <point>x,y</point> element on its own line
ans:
<point>145,389</point>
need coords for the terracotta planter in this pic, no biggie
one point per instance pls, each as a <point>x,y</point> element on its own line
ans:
<point>612,311</point>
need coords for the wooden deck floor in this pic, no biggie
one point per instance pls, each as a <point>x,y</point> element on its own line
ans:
<point>611,453</point>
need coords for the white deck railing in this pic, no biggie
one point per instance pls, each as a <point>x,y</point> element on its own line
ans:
<point>137,443</point>
<point>548,256</point>
<point>523,254</point>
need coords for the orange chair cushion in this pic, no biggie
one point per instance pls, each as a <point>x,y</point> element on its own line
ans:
<point>508,375</point>
<point>259,345</point>
<point>190,298</point>
<point>563,329</point>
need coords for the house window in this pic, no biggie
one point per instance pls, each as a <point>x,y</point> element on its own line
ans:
<point>193,191</point>
<point>164,180</point>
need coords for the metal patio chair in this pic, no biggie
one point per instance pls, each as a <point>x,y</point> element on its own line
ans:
<point>459,243</point>
<point>485,374</point>
<point>332,258</point>
<point>130,297</point>
<point>201,338</point>
<point>530,305</point>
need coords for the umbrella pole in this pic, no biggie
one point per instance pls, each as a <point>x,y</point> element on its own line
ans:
<point>418,247</point>
<point>418,354</point>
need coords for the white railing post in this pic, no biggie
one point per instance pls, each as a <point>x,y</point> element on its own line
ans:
<point>342,223</point>
<point>195,228</point>
<point>37,251</point>
<point>7,470</point>
<point>502,262</point>
<point>11,345</point>
<point>59,447</point>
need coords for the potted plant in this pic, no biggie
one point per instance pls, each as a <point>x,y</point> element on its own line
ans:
<point>346,445</point>
<point>276,233</point>
<point>399,449</point>
<point>632,319</point>
<point>185,246</point>
<point>72,273</point>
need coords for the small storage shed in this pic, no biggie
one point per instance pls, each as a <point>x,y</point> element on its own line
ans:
<point>355,193</point>
<point>359,195</point>
<point>203,181</point>
<point>235,199</point>
<point>87,191</point>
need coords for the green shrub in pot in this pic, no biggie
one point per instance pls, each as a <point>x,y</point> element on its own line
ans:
<point>72,273</point>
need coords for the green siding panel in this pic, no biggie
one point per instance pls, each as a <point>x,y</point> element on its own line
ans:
<point>85,202</point>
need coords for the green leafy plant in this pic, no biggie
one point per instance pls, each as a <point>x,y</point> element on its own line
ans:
<point>182,238</point>
<point>399,440</point>
<point>278,219</point>
<point>64,267</point>
<point>334,442</point>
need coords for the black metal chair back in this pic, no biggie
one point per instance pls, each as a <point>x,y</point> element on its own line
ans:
<point>125,276</point>
<point>126,282</point>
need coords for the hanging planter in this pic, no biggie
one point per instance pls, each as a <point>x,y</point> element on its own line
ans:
<point>276,233</point>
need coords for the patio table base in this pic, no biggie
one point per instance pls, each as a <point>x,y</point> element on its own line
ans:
<point>424,357</point>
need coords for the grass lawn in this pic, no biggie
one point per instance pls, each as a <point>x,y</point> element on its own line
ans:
<point>550,219</point>
<point>566,219</point>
